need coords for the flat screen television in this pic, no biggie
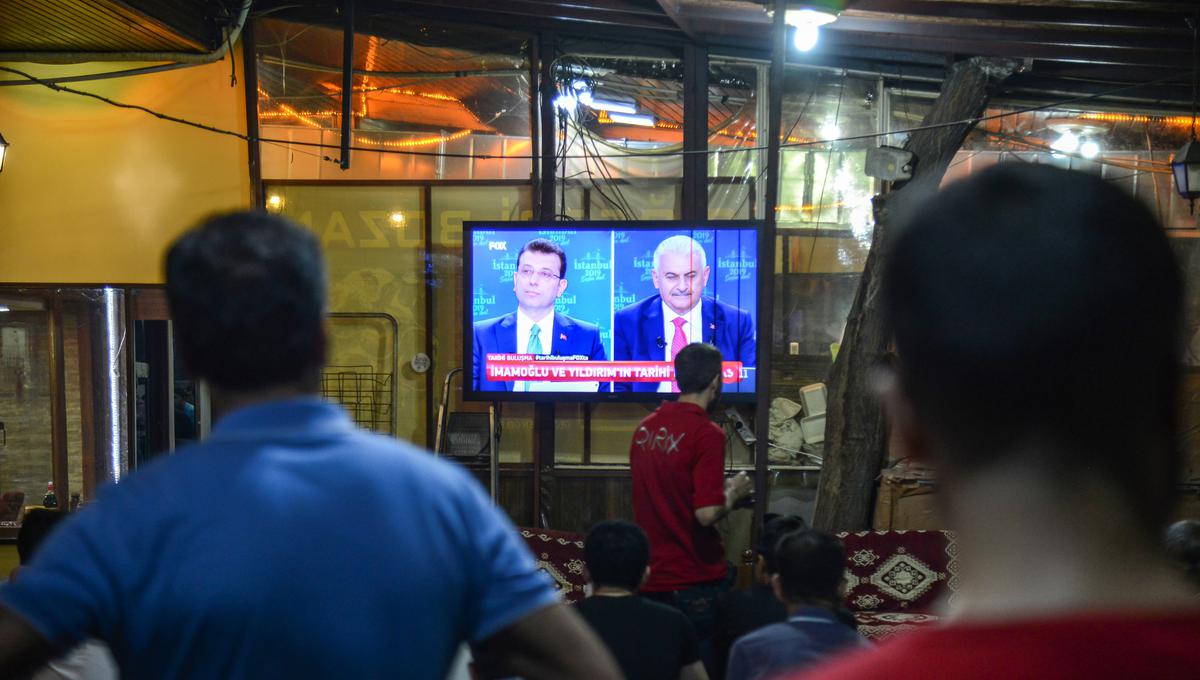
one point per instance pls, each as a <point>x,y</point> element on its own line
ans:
<point>601,321</point>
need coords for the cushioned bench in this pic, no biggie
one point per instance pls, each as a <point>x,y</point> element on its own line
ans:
<point>894,578</point>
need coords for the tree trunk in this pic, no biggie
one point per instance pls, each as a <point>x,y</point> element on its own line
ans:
<point>855,433</point>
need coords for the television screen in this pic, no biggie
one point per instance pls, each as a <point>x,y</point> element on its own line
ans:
<point>589,311</point>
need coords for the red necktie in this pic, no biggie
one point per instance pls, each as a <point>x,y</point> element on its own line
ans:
<point>678,342</point>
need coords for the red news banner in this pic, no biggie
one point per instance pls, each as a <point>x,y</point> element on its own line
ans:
<point>507,367</point>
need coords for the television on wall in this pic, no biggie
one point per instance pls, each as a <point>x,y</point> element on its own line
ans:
<point>594,311</point>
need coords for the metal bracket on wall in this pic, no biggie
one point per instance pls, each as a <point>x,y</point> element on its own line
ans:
<point>394,380</point>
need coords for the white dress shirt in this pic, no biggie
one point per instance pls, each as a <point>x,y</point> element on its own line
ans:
<point>693,330</point>
<point>546,336</point>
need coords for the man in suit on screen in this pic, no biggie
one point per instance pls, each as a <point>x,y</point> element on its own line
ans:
<point>535,328</point>
<point>655,329</point>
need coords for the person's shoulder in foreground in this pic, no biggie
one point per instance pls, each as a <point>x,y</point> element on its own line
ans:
<point>1074,647</point>
<point>1037,319</point>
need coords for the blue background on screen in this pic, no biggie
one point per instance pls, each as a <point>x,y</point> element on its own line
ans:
<point>608,270</point>
<point>732,257</point>
<point>588,296</point>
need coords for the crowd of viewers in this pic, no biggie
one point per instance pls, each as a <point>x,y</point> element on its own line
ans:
<point>1006,292</point>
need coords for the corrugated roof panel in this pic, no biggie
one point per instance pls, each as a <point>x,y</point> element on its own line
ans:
<point>86,26</point>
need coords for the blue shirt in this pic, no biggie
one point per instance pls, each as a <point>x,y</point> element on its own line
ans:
<point>808,636</point>
<point>289,544</point>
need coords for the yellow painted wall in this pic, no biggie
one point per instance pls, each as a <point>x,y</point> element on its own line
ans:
<point>91,193</point>
<point>8,560</point>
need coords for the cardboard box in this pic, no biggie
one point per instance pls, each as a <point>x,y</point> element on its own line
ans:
<point>907,499</point>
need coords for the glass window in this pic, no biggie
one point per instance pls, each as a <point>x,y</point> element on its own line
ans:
<point>450,207</point>
<point>419,92</point>
<point>736,102</point>
<point>374,243</point>
<point>90,402</point>
<point>617,115</point>
<point>1130,149</point>
<point>822,184</point>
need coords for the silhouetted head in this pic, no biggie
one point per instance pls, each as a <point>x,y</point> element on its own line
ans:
<point>768,539</point>
<point>1039,310</point>
<point>616,553</point>
<point>248,298</point>
<point>811,567</point>
<point>696,366</point>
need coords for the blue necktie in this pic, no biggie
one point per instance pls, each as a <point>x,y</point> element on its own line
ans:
<point>534,346</point>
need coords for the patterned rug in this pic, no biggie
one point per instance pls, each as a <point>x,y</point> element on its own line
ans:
<point>895,579</point>
<point>560,555</point>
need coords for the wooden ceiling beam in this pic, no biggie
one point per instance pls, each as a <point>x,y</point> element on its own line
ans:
<point>917,27</point>
<point>539,12</point>
<point>1158,59</point>
<point>1129,18</point>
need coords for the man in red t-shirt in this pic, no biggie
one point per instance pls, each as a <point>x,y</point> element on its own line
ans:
<point>1037,317</point>
<point>679,492</point>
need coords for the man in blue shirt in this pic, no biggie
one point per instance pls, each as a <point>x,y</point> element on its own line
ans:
<point>290,543</point>
<point>809,583</point>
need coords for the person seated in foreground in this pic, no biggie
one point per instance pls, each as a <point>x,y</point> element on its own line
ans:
<point>1183,546</point>
<point>810,582</point>
<point>739,612</point>
<point>1037,318</point>
<point>651,641</point>
<point>233,557</point>
<point>90,660</point>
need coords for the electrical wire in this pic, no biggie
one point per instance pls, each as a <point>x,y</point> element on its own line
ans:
<point>587,166</point>
<point>602,166</point>
<point>760,125</point>
<point>820,201</point>
<point>800,144</point>
<point>106,75</point>
<point>796,451</point>
<point>621,203</point>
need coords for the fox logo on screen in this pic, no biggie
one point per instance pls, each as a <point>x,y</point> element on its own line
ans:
<point>497,245</point>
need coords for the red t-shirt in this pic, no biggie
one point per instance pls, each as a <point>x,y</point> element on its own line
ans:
<point>1075,647</point>
<point>676,462</point>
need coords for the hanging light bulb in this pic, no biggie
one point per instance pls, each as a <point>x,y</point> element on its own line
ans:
<point>829,131</point>
<point>1066,143</point>
<point>806,37</point>
<point>808,17</point>
<point>566,103</point>
<point>274,203</point>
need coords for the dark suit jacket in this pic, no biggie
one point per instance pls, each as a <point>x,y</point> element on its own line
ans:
<point>638,335</point>
<point>499,336</point>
